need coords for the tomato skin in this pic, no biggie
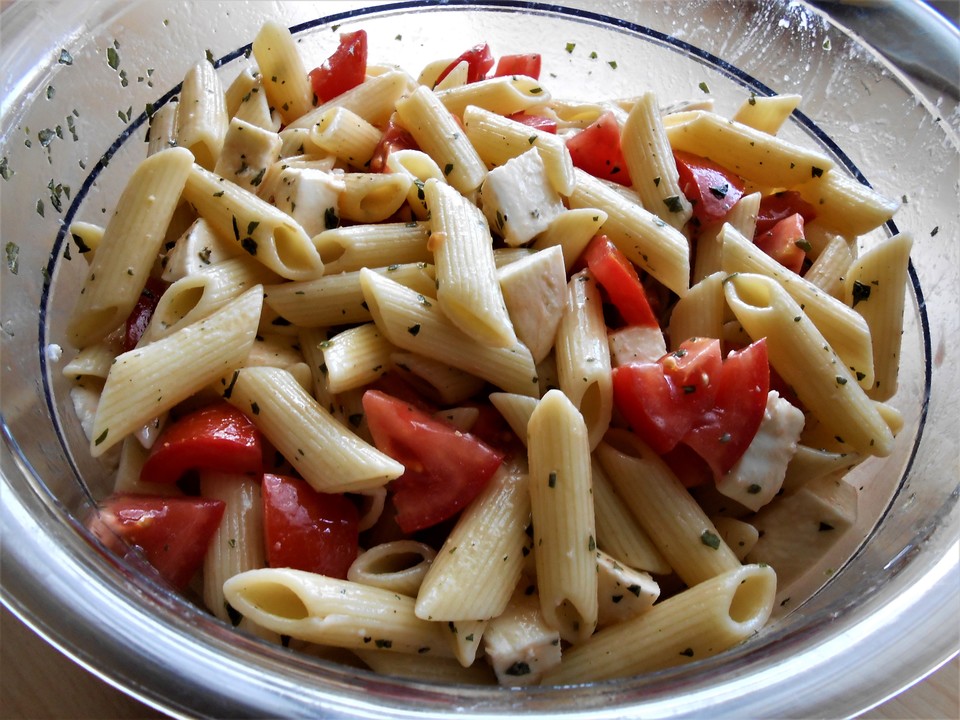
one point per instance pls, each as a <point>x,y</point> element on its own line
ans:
<point>538,122</point>
<point>343,70</point>
<point>445,469</point>
<point>785,242</point>
<point>308,530</point>
<point>140,316</point>
<point>215,437</point>
<point>727,429</point>
<point>172,532</point>
<point>528,64</point>
<point>479,60</point>
<point>781,205</point>
<point>596,150</point>
<point>394,138</point>
<point>710,188</point>
<point>619,279</point>
<point>662,401</point>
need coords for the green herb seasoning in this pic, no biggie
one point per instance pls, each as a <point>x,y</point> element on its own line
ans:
<point>710,540</point>
<point>12,251</point>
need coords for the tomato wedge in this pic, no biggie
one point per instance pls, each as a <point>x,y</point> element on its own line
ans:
<point>710,188</point>
<point>528,65</point>
<point>394,138</point>
<point>445,468</point>
<point>343,70</point>
<point>779,206</point>
<point>662,401</point>
<point>140,316</point>
<point>726,430</point>
<point>308,530</point>
<point>619,279</point>
<point>538,122</point>
<point>479,60</point>
<point>785,242</point>
<point>596,150</point>
<point>215,437</point>
<point>172,532</point>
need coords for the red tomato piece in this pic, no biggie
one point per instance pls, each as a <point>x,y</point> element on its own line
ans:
<point>785,242</point>
<point>172,532</point>
<point>726,430</point>
<point>538,122</point>
<point>308,530</point>
<point>691,469</point>
<point>479,60</point>
<point>394,138</point>
<point>343,70</point>
<point>528,65</point>
<point>710,188</point>
<point>781,205</point>
<point>619,279</point>
<point>596,150</point>
<point>445,468</point>
<point>140,316</point>
<point>215,437</point>
<point>662,401</point>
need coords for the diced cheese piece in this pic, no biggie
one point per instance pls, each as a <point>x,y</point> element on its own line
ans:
<point>756,478</point>
<point>311,197</point>
<point>248,152</point>
<point>636,344</point>
<point>534,290</point>
<point>519,200</point>
<point>623,592</point>
<point>198,248</point>
<point>799,529</point>
<point>518,643</point>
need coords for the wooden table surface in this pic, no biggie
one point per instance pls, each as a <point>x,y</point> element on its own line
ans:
<point>37,683</point>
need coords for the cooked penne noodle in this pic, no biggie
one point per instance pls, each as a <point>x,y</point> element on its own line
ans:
<point>467,286</point>
<point>702,621</point>
<point>334,612</point>
<point>649,159</point>
<point>829,271</point>
<point>427,669</point>
<point>356,357</point>
<point>876,286</point>
<point>264,231</point>
<point>842,327</point>
<point>802,357</point>
<point>345,249</point>
<point>664,508</point>
<point>325,454</point>
<point>237,545</point>
<point>438,134</point>
<point>145,382</point>
<point>809,464</point>
<point>275,350</point>
<point>341,132</point>
<point>845,206</point>
<point>247,100</point>
<point>338,299</point>
<point>129,247</point>
<point>372,197</point>
<point>583,355</point>
<point>479,565</point>
<point>644,238</point>
<point>740,536</point>
<point>162,134</point>
<point>700,312</point>
<point>132,456</point>
<point>501,95</point>
<point>419,167</point>
<point>202,114</point>
<point>413,322</point>
<point>448,384</point>
<point>561,501</point>
<point>373,100</point>
<point>766,114</point>
<point>754,155</point>
<point>282,72</point>
<point>572,231</point>
<point>399,566</point>
<point>516,410</point>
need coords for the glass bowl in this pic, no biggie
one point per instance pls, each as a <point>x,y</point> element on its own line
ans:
<point>879,613</point>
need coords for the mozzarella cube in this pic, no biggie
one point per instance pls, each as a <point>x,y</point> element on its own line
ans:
<point>518,200</point>
<point>311,197</point>
<point>534,290</point>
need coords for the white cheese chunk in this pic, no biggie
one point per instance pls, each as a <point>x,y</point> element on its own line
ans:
<point>756,478</point>
<point>311,197</point>
<point>534,290</point>
<point>622,591</point>
<point>519,200</point>
<point>636,344</point>
<point>518,643</point>
<point>197,249</point>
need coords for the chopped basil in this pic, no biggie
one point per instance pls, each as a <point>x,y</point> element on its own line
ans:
<point>710,540</point>
<point>591,544</point>
<point>249,244</point>
<point>355,419</point>
<point>635,589</point>
<point>518,668</point>
<point>552,479</point>
<point>613,64</point>
<point>673,203</point>
<point>753,489</point>
<point>65,58</point>
<point>933,233</point>
<point>687,653</point>
<point>258,178</point>
<point>804,245</point>
<point>688,389</point>
<point>414,329</point>
<point>703,87</point>
<point>383,643</point>
<point>13,257</point>
<point>228,391</point>
<point>102,437</point>
<point>5,172</point>
<point>570,47</point>
<point>861,291</point>
<point>447,169</point>
<point>254,408</point>
<point>720,191</point>
<point>825,527</point>
<point>815,171</point>
<point>113,58</point>
<point>330,218</point>
<point>841,380</point>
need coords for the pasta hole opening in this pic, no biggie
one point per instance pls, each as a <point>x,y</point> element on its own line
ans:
<point>384,199</point>
<point>393,563</point>
<point>752,291</point>
<point>593,409</point>
<point>293,252</point>
<point>330,248</point>
<point>278,600</point>
<point>747,601</point>
<point>181,305</point>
